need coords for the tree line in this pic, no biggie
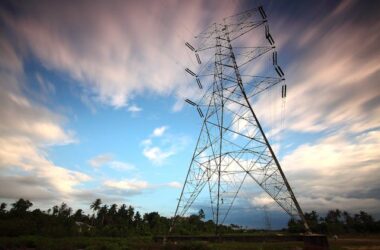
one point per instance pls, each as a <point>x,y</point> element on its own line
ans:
<point>337,222</point>
<point>105,220</point>
<point>122,220</point>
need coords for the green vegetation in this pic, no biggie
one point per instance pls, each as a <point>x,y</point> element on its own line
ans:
<point>106,221</point>
<point>122,227</point>
<point>337,222</point>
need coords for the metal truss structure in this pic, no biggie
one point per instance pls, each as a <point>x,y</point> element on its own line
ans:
<point>232,146</point>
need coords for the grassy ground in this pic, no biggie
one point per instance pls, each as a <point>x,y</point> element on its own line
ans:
<point>359,242</point>
<point>34,242</point>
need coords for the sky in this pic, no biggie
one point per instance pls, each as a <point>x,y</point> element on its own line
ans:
<point>91,102</point>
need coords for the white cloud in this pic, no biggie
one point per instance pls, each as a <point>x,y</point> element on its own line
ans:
<point>174,184</point>
<point>137,186</point>
<point>48,179</point>
<point>134,108</point>
<point>129,185</point>
<point>121,165</point>
<point>335,170</point>
<point>100,160</point>
<point>27,131</point>
<point>159,131</point>
<point>262,200</point>
<point>108,160</point>
<point>168,145</point>
<point>157,155</point>
<point>22,117</point>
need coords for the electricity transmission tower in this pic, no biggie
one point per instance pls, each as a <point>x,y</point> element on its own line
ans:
<point>232,146</point>
<point>268,225</point>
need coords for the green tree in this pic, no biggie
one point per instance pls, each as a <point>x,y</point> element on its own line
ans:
<point>334,222</point>
<point>153,220</point>
<point>348,222</point>
<point>122,212</point>
<point>95,206</point>
<point>130,214</point>
<point>363,222</point>
<point>3,206</point>
<point>113,210</point>
<point>102,212</point>
<point>78,215</point>
<point>201,214</point>
<point>21,206</point>
<point>137,220</point>
<point>64,210</point>
<point>333,216</point>
<point>55,210</point>
<point>112,213</point>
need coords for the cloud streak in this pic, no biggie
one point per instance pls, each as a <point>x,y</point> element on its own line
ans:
<point>110,49</point>
<point>26,131</point>
<point>135,186</point>
<point>334,96</point>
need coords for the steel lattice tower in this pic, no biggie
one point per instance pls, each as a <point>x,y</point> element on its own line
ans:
<point>232,146</point>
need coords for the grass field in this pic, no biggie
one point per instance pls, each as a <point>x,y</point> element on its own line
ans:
<point>34,242</point>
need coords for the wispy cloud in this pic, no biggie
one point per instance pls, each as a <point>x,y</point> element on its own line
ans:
<point>174,184</point>
<point>27,130</point>
<point>46,87</point>
<point>119,165</point>
<point>161,145</point>
<point>108,160</point>
<point>100,160</point>
<point>128,185</point>
<point>332,84</point>
<point>157,155</point>
<point>102,55</point>
<point>134,186</point>
<point>134,108</point>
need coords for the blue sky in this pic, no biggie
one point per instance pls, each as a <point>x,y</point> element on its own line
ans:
<point>92,101</point>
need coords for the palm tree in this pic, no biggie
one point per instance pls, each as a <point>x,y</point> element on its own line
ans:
<point>113,210</point>
<point>95,206</point>
<point>103,212</point>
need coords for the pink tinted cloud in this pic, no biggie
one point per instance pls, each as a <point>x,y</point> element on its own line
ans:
<point>116,49</point>
<point>333,82</point>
